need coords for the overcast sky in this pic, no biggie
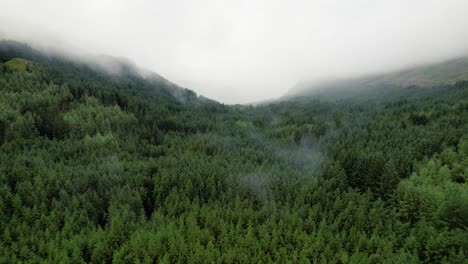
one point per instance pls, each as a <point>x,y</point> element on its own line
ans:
<point>242,51</point>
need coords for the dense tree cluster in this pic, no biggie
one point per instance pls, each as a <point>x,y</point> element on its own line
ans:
<point>104,168</point>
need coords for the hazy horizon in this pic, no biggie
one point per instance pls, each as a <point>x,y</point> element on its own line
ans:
<point>241,52</point>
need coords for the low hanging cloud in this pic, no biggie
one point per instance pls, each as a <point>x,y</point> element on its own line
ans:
<point>243,51</point>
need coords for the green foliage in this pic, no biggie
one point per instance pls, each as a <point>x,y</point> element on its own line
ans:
<point>91,118</point>
<point>437,192</point>
<point>20,65</point>
<point>100,168</point>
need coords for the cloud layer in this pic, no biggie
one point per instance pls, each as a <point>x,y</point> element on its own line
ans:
<point>243,51</point>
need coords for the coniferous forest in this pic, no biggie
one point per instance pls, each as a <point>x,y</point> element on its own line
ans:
<point>99,167</point>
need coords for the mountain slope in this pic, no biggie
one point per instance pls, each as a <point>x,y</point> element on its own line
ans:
<point>445,73</point>
<point>119,72</point>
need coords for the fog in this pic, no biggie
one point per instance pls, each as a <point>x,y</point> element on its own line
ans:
<point>246,51</point>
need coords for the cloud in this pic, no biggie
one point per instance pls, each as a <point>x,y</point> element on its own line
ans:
<point>242,51</point>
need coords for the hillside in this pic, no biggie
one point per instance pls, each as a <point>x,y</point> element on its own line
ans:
<point>20,65</point>
<point>447,72</point>
<point>117,167</point>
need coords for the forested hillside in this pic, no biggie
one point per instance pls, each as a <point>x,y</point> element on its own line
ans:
<point>102,167</point>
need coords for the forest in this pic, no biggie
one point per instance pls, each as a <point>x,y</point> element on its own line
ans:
<point>98,167</point>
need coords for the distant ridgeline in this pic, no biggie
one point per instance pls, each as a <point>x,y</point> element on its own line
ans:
<point>445,73</point>
<point>105,70</point>
<point>102,162</point>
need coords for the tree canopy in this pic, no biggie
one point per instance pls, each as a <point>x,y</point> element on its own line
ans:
<point>104,168</point>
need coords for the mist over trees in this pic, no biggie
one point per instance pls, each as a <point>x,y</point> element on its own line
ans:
<point>103,168</point>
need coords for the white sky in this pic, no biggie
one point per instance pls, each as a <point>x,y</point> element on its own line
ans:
<point>242,51</point>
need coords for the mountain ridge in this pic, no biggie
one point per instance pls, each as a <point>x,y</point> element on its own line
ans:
<point>117,69</point>
<point>442,73</point>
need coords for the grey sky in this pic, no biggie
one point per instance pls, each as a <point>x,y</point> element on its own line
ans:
<point>241,51</point>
